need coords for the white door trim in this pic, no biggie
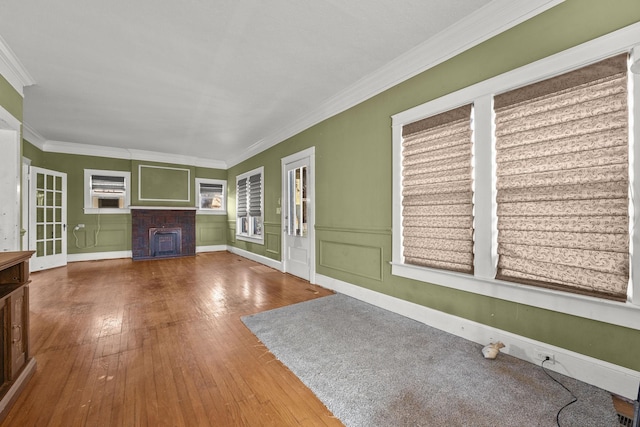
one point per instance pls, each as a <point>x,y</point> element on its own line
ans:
<point>25,190</point>
<point>311,209</point>
<point>10,179</point>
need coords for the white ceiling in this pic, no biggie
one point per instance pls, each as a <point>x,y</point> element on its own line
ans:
<point>219,79</point>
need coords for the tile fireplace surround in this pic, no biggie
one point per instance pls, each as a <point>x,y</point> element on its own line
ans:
<point>162,233</point>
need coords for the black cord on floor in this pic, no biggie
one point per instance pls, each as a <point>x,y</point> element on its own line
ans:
<point>575,399</point>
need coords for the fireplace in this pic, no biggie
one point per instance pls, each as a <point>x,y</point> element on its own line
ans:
<point>165,242</point>
<point>162,233</point>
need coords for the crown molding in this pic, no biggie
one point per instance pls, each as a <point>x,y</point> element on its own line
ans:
<point>12,69</point>
<point>489,21</point>
<point>63,147</point>
<point>119,153</point>
<point>153,156</point>
<point>32,135</point>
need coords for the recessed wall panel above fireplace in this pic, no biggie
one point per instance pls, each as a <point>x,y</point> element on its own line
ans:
<point>164,184</point>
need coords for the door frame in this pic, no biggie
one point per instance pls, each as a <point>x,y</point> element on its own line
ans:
<point>26,202</point>
<point>10,181</point>
<point>309,153</point>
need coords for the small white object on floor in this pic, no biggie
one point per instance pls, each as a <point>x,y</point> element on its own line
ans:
<point>491,351</point>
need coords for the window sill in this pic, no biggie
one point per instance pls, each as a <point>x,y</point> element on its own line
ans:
<point>91,211</point>
<point>623,314</point>
<point>210,212</point>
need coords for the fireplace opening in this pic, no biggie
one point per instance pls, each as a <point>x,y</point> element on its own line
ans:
<point>165,242</point>
<point>162,233</point>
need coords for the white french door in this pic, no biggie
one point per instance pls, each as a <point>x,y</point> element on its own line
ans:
<point>48,218</point>
<point>298,214</point>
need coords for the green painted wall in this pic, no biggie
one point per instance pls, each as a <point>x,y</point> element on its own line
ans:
<point>161,184</point>
<point>353,182</point>
<point>353,190</point>
<point>102,233</point>
<point>33,153</point>
<point>211,230</point>
<point>10,99</point>
<point>112,232</point>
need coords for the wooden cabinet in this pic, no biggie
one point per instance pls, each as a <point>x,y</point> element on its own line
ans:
<point>19,314</point>
<point>16,365</point>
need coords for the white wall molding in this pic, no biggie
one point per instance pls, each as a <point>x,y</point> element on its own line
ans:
<point>163,208</point>
<point>212,248</point>
<point>63,147</point>
<point>152,156</point>
<point>85,149</point>
<point>31,135</point>
<point>614,378</point>
<point>98,256</point>
<point>10,182</point>
<point>495,18</point>
<point>257,258</point>
<point>12,69</point>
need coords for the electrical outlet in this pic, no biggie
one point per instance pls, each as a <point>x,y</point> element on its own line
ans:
<point>80,225</point>
<point>542,355</point>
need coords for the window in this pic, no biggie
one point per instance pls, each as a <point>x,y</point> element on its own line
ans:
<point>562,181</point>
<point>106,191</point>
<point>555,167</point>
<point>249,206</point>
<point>437,202</point>
<point>212,196</point>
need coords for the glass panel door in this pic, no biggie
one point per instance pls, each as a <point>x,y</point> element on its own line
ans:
<point>48,209</point>
<point>297,215</point>
<point>297,202</point>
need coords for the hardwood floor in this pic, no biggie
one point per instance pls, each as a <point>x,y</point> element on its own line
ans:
<point>160,343</point>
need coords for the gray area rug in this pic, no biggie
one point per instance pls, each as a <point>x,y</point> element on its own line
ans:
<point>372,367</point>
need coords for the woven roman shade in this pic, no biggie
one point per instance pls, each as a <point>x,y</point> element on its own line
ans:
<point>242,198</point>
<point>437,196</point>
<point>562,181</point>
<point>255,195</point>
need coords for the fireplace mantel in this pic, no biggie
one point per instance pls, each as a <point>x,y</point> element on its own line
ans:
<point>163,208</point>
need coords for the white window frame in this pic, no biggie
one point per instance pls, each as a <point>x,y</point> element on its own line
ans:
<point>88,207</point>
<point>211,211</point>
<point>250,236</point>
<point>483,281</point>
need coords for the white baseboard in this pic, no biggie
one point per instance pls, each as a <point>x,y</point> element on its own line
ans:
<point>257,258</point>
<point>214,248</point>
<point>97,256</point>
<point>613,378</point>
<point>602,374</point>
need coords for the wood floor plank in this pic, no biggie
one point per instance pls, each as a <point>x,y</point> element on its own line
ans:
<point>99,413</point>
<point>69,399</point>
<point>160,343</point>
